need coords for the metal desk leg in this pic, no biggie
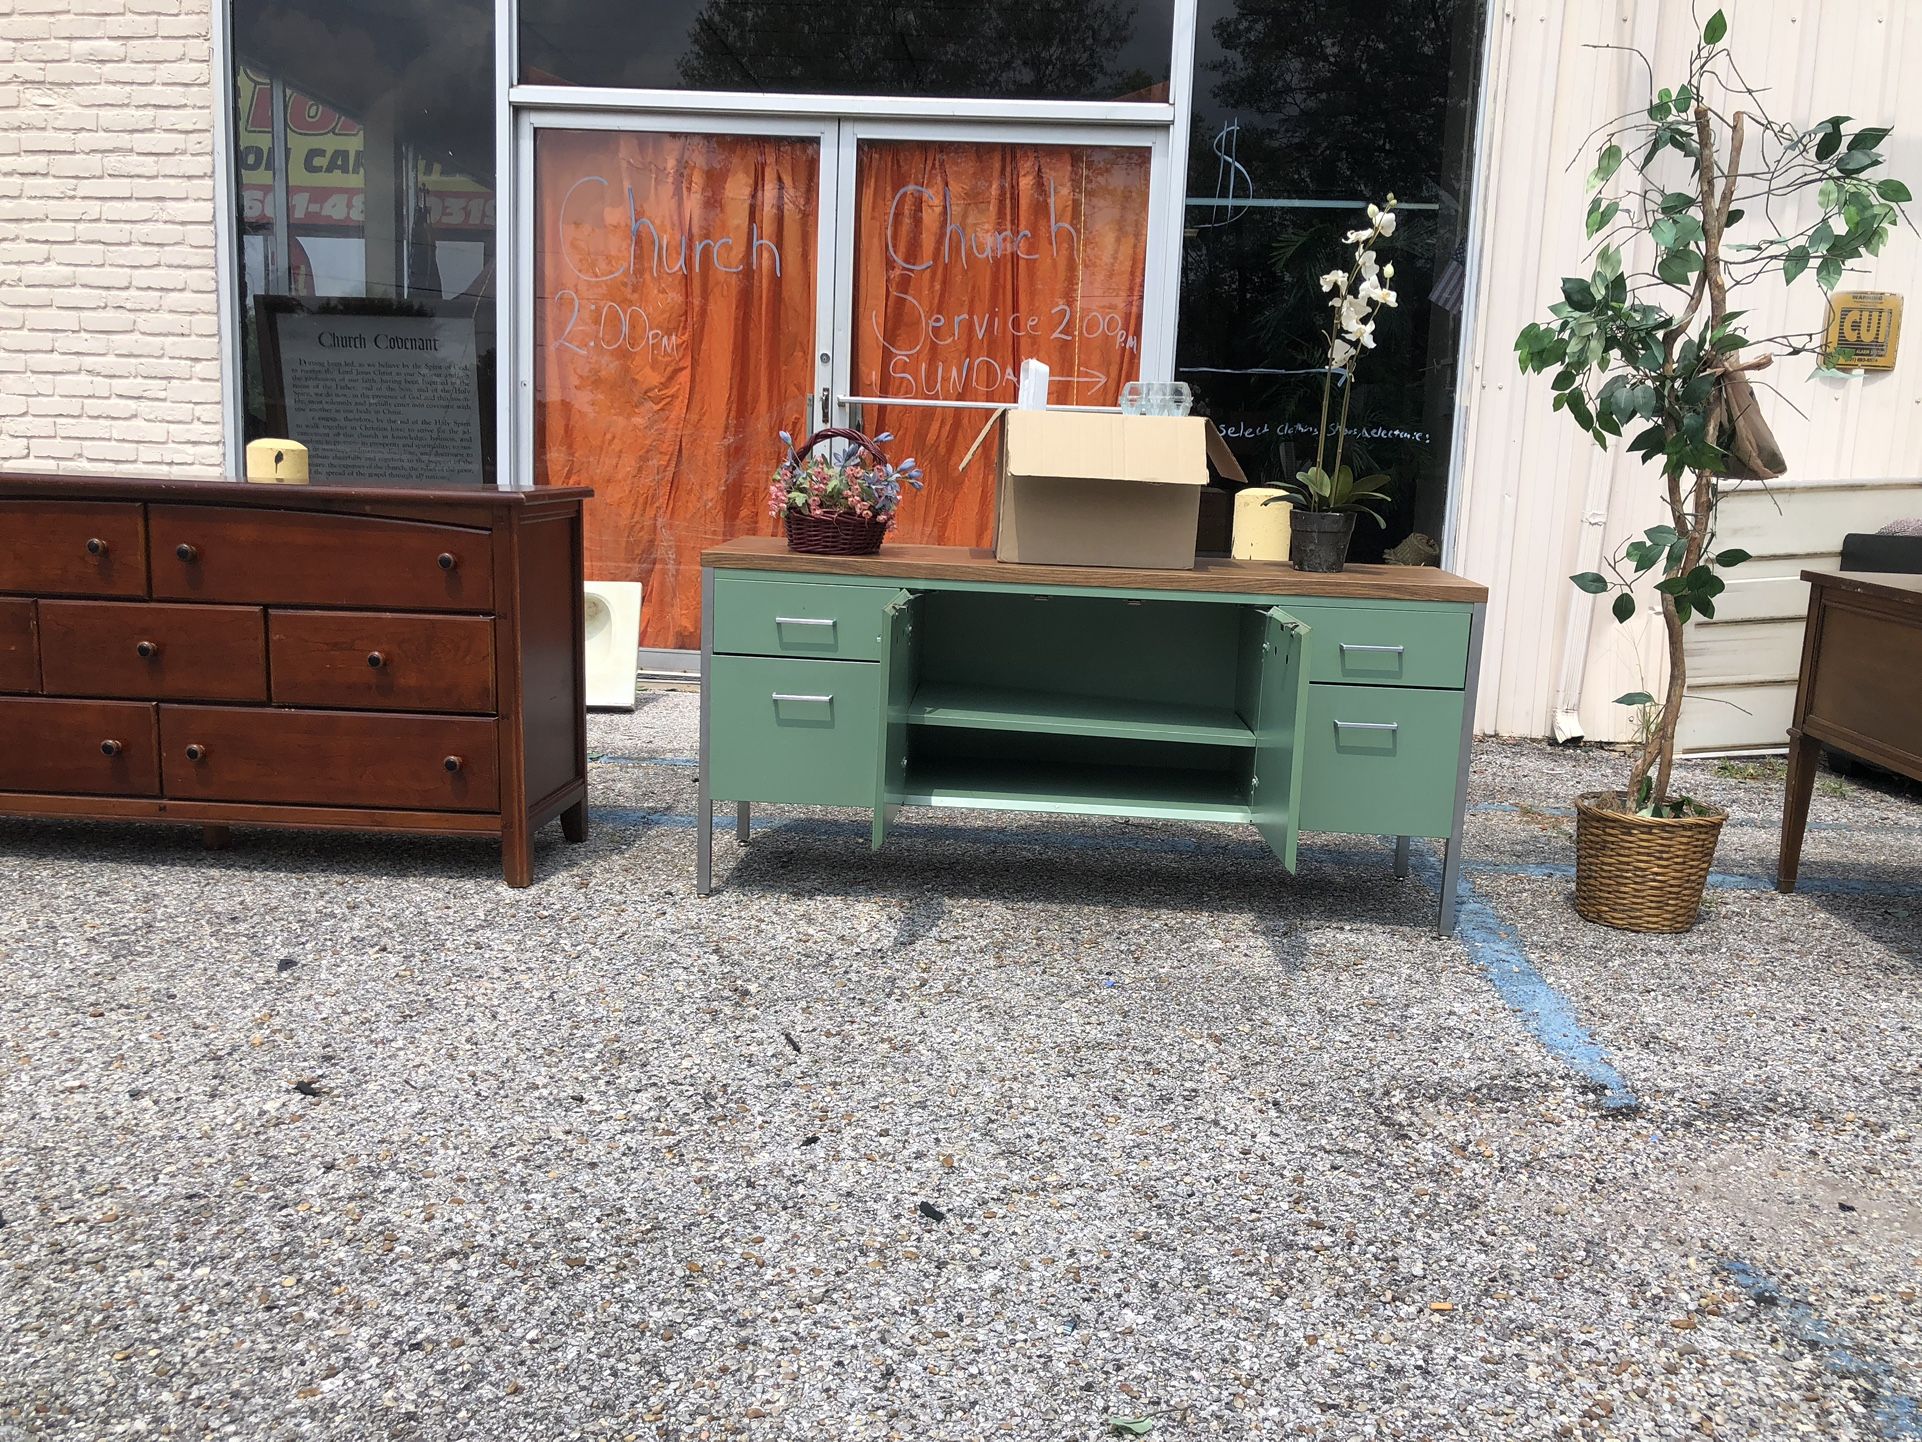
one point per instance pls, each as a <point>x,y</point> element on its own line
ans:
<point>1452,853</point>
<point>741,822</point>
<point>1401,858</point>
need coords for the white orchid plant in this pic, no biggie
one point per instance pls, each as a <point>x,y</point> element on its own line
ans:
<point>1357,295</point>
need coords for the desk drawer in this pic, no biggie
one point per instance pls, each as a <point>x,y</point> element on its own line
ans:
<point>73,548</point>
<point>90,748</point>
<point>1381,760</point>
<point>120,648</point>
<point>798,618</point>
<point>329,758</point>
<point>376,661</point>
<point>307,558</point>
<point>19,647</point>
<point>1385,646</point>
<point>804,732</point>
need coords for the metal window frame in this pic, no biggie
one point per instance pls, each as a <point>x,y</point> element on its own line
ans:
<point>227,258</point>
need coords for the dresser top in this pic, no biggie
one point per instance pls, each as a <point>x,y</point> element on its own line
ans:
<point>228,491</point>
<point>973,563</point>
<point>1889,585</point>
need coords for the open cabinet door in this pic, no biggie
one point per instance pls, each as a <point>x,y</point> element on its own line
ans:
<point>899,673</point>
<point>1274,794</point>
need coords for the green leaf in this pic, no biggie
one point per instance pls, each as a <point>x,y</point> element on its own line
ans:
<point>1854,162</point>
<point>1678,266</point>
<point>1716,28</point>
<point>1705,606</point>
<point>1830,142</point>
<point>1827,195</point>
<point>1578,292</point>
<point>1794,263</point>
<point>1829,273</point>
<point>1132,1426</point>
<point>1893,190</point>
<point>1624,606</point>
<point>1734,556</point>
<point>1869,138</point>
<point>1733,217</point>
<point>1635,698</point>
<point>1676,200</point>
<point>1592,582</point>
<point>1606,164</point>
<point>1600,213</point>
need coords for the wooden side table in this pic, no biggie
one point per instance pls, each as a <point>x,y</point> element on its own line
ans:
<point>1860,689</point>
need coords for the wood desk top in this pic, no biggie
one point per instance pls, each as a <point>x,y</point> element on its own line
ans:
<point>974,563</point>
<point>232,491</point>
<point>1889,585</point>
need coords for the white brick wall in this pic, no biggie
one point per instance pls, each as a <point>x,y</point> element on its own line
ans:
<point>109,346</point>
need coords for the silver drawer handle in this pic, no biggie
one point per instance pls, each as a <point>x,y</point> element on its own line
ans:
<point>1368,725</point>
<point>1353,646</point>
<point>790,696</point>
<point>802,621</point>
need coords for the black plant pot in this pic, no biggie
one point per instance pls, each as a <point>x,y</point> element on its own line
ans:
<point>1318,540</point>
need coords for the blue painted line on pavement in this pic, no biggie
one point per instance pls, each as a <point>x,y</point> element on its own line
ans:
<point>1898,1415</point>
<point>1497,949</point>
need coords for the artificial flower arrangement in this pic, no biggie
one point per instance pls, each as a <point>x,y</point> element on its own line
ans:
<point>843,502</point>
<point>1327,492</point>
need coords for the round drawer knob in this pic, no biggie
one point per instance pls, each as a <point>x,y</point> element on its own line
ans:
<point>447,560</point>
<point>376,660</point>
<point>187,553</point>
<point>110,748</point>
<point>451,764</point>
<point>96,547</point>
<point>196,752</point>
<point>146,650</point>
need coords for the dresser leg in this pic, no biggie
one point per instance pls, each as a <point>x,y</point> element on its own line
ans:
<point>1401,858</point>
<point>216,838</point>
<point>741,811</point>
<point>517,861</point>
<point>574,822</point>
<point>1795,809</point>
<point>1450,885</point>
<point>704,843</point>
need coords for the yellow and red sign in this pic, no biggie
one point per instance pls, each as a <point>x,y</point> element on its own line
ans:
<point>325,188</point>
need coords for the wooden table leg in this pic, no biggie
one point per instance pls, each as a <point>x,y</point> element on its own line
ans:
<point>1803,755</point>
<point>216,838</point>
<point>574,821</point>
<point>517,853</point>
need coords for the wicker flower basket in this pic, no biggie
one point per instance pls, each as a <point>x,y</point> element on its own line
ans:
<point>1641,873</point>
<point>834,535</point>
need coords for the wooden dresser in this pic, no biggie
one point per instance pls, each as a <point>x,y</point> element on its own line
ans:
<point>365,657</point>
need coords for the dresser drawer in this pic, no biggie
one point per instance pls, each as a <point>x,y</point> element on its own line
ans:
<point>296,558</point>
<point>1381,761</point>
<point>92,748</point>
<point>121,648</point>
<point>797,731</point>
<point>73,548</point>
<point>376,661</point>
<point>798,618</point>
<point>1385,646</point>
<point>19,647</point>
<point>329,758</point>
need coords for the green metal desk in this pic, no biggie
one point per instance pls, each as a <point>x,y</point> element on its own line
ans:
<point>1238,691</point>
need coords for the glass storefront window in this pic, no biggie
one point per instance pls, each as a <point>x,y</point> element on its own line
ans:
<point>368,233</point>
<point>998,49</point>
<point>1302,115</point>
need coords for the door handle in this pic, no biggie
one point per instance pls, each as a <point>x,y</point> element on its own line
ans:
<point>1368,725</point>
<point>802,621</point>
<point>790,696</point>
<point>1355,646</point>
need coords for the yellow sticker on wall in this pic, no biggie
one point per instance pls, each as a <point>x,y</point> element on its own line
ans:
<point>1864,326</point>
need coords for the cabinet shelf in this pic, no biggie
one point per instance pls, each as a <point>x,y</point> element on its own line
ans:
<point>1169,794</point>
<point>999,708</point>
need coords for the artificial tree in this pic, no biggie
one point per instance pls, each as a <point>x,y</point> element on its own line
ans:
<point>1661,349</point>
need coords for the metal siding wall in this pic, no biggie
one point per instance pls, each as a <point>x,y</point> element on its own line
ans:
<point>1536,500</point>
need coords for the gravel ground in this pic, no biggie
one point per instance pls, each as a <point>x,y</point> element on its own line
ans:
<point>1021,1127</point>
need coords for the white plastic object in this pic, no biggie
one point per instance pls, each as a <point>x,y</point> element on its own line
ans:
<point>1156,398</point>
<point>1033,395</point>
<point>613,636</point>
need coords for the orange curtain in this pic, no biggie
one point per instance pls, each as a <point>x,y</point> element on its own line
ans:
<point>970,258</point>
<point>674,281</point>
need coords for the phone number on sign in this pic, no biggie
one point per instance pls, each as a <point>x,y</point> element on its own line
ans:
<point>309,206</point>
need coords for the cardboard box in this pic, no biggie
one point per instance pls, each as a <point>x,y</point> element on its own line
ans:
<point>1087,488</point>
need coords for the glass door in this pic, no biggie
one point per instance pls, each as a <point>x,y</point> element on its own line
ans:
<point>680,321</point>
<point>965,250</point>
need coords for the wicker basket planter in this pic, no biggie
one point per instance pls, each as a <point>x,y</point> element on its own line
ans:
<point>1641,873</point>
<point>834,535</point>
